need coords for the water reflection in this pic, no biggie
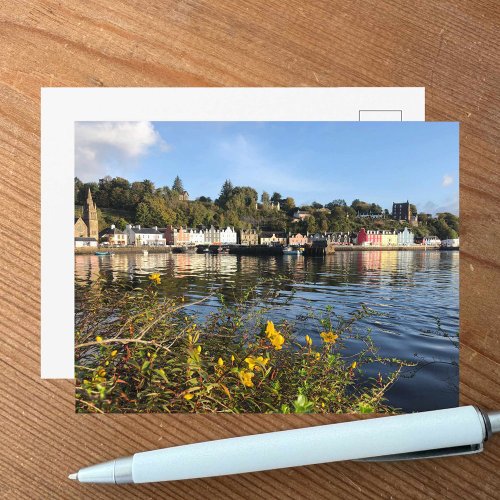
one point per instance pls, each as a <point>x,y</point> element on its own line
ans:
<point>414,290</point>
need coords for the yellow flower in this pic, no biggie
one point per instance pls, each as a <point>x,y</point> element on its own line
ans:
<point>188,396</point>
<point>275,337</point>
<point>232,358</point>
<point>102,372</point>
<point>278,340</point>
<point>329,337</point>
<point>198,348</point>
<point>256,362</point>
<point>98,339</point>
<point>114,353</point>
<point>309,341</point>
<point>354,364</point>
<point>317,355</point>
<point>246,377</point>
<point>155,277</point>
<point>270,330</point>
<point>220,362</point>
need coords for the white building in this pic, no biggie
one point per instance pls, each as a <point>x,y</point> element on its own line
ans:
<point>196,237</point>
<point>85,242</point>
<point>451,243</point>
<point>433,241</point>
<point>140,236</point>
<point>228,236</point>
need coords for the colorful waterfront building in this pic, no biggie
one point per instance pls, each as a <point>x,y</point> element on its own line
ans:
<point>388,238</point>
<point>177,237</point>
<point>249,237</point>
<point>113,236</point>
<point>144,236</point>
<point>196,236</point>
<point>432,241</point>
<point>228,236</point>
<point>212,235</point>
<point>272,238</point>
<point>297,239</point>
<point>406,238</point>
<point>369,238</point>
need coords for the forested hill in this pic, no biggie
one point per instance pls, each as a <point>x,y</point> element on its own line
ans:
<point>120,202</point>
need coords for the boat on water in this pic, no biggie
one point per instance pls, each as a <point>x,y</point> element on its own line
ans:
<point>292,251</point>
<point>103,253</point>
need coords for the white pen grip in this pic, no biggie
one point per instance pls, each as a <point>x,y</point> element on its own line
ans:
<point>312,445</point>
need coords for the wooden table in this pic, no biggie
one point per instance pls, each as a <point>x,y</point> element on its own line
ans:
<point>446,46</point>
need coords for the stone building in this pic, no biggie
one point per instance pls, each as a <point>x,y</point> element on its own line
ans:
<point>87,226</point>
<point>402,211</point>
<point>249,237</point>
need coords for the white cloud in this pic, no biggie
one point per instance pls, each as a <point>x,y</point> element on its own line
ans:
<point>112,148</point>
<point>447,180</point>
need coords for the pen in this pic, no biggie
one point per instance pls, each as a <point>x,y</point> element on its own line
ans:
<point>432,434</point>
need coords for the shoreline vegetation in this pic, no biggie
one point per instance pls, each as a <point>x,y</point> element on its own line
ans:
<point>122,202</point>
<point>137,352</point>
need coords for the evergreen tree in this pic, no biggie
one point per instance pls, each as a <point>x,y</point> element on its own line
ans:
<point>225,193</point>
<point>177,185</point>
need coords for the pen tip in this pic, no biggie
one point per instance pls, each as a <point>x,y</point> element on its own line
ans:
<point>73,476</point>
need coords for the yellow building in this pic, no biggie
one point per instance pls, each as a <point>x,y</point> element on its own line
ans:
<point>270,238</point>
<point>389,239</point>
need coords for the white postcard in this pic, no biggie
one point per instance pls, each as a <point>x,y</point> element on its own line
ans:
<point>131,118</point>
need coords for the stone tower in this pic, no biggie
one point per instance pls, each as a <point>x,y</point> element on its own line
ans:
<point>90,217</point>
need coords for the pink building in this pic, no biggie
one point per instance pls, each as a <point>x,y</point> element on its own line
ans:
<point>297,239</point>
<point>373,238</point>
<point>174,236</point>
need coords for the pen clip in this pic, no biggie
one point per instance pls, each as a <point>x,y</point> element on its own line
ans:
<point>438,453</point>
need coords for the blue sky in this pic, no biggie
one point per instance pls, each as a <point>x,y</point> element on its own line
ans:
<point>378,162</point>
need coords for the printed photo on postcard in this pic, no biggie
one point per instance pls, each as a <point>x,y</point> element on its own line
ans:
<point>266,267</point>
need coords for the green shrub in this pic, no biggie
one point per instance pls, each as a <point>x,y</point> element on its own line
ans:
<point>138,352</point>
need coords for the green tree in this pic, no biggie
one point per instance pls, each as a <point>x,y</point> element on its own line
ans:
<point>336,203</point>
<point>121,223</point>
<point>288,204</point>
<point>225,193</point>
<point>265,199</point>
<point>177,186</point>
<point>312,225</point>
<point>276,197</point>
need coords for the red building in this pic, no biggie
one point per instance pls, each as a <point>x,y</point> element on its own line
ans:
<point>373,238</point>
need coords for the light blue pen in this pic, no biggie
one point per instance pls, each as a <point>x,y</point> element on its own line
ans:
<point>433,434</point>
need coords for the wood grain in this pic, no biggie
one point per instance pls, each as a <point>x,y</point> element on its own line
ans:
<point>449,47</point>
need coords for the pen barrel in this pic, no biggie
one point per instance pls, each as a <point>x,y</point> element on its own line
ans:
<point>326,443</point>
